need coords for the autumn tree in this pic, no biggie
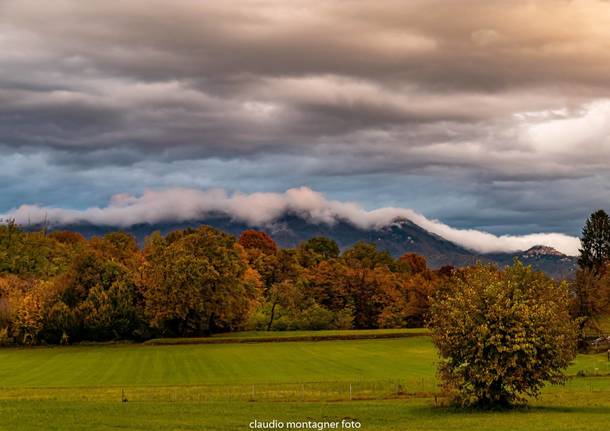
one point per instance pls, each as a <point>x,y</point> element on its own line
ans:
<point>90,268</point>
<point>197,282</point>
<point>69,238</point>
<point>590,291</point>
<point>99,290</point>
<point>493,334</point>
<point>256,240</point>
<point>406,301</point>
<point>32,309</point>
<point>412,263</point>
<point>368,271</point>
<point>263,256</point>
<point>327,284</point>
<point>602,293</point>
<point>12,292</point>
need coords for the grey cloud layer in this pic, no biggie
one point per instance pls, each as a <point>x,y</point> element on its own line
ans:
<point>260,209</point>
<point>511,100</point>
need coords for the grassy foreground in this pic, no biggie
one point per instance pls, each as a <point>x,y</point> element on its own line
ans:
<point>373,415</point>
<point>384,384</point>
<point>295,362</point>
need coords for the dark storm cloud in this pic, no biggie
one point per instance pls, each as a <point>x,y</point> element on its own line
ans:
<point>498,106</point>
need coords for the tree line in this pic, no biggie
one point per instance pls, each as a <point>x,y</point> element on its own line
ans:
<point>60,288</point>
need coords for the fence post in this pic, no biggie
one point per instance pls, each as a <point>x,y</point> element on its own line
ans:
<point>350,391</point>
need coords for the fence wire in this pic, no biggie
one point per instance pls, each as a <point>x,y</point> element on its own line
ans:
<point>303,391</point>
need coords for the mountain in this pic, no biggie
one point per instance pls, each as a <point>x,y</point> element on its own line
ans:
<point>400,237</point>
<point>547,259</point>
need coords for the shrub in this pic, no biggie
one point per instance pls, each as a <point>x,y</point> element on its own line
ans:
<point>315,318</point>
<point>5,339</point>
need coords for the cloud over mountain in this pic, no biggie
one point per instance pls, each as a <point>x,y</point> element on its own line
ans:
<point>260,209</point>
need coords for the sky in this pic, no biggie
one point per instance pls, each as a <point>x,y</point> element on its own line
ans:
<point>485,115</point>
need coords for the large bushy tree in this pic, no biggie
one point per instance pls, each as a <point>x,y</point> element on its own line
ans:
<point>501,334</point>
<point>197,282</point>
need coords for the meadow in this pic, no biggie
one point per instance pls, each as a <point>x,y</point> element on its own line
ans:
<point>386,384</point>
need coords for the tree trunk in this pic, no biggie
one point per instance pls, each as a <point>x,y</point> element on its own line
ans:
<point>272,316</point>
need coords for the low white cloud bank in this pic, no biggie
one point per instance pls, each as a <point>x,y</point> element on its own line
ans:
<point>260,209</point>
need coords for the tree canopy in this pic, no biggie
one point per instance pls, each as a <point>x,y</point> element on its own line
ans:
<point>493,332</point>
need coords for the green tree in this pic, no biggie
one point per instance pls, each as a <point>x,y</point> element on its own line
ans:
<point>317,249</point>
<point>112,313</point>
<point>283,289</point>
<point>595,241</point>
<point>31,254</point>
<point>283,294</point>
<point>59,323</point>
<point>196,282</point>
<point>501,334</point>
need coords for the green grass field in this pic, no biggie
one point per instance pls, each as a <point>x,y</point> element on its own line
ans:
<point>136,365</point>
<point>388,415</point>
<point>385,384</point>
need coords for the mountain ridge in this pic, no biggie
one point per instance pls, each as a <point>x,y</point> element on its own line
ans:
<point>399,237</point>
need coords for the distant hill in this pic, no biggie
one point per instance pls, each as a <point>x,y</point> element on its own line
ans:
<point>547,259</point>
<point>398,238</point>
